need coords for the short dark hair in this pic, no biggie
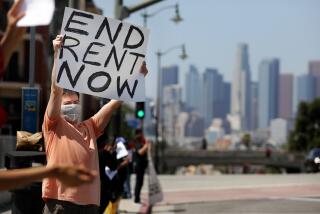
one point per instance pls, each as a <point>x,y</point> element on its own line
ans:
<point>105,139</point>
<point>67,91</point>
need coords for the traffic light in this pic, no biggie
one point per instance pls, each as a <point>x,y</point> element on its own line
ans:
<point>140,110</point>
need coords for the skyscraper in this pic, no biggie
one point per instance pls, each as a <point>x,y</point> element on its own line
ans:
<point>279,129</point>
<point>268,91</point>
<point>172,102</point>
<point>148,123</point>
<point>180,131</point>
<point>193,92</point>
<point>210,77</point>
<point>214,96</point>
<point>240,97</point>
<point>314,70</point>
<point>305,90</point>
<point>170,76</point>
<point>226,99</point>
<point>314,67</point>
<point>194,126</point>
<point>285,101</point>
<point>254,106</point>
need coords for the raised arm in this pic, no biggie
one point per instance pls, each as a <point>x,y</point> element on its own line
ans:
<point>13,34</point>
<point>54,105</point>
<point>102,117</point>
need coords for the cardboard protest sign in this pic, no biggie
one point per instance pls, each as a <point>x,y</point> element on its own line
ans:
<point>101,56</point>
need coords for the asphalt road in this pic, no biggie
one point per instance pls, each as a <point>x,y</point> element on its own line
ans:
<point>303,205</point>
<point>222,194</point>
<point>294,193</point>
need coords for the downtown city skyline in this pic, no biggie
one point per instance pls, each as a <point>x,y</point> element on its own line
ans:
<point>211,31</point>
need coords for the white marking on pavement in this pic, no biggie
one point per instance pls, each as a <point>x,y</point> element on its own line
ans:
<point>303,199</point>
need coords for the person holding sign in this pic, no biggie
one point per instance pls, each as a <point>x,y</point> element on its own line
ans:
<point>70,141</point>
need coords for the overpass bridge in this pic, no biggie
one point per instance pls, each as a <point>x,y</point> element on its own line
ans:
<point>172,159</point>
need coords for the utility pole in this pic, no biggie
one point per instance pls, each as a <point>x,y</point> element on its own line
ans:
<point>32,53</point>
<point>30,99</point>
<point>121,12</point>
<point>117,118</point>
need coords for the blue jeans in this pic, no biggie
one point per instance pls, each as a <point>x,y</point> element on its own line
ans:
<point>127,188</point>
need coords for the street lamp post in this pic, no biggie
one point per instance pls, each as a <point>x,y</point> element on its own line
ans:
<point>158,117</point>
<point>177,18</point>
<point>121,12</point>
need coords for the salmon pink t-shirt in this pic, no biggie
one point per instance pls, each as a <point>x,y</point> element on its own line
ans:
<point>71,145</point>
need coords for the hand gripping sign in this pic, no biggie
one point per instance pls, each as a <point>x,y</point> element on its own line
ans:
<point>101,56</point>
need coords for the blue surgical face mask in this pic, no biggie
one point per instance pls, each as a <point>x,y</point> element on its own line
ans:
<point>71,112</point>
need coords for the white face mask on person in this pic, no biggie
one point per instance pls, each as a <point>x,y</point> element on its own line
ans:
<point>71,112</point>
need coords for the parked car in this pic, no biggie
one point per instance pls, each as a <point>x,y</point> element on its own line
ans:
<point>312,161</point>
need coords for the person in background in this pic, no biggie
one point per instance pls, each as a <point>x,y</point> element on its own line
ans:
<point>9,42</point>
<point>127,183</point>
<point>141,162</point>
<point>12,37</point>
<point>112,163</point>
<point>71,141</point>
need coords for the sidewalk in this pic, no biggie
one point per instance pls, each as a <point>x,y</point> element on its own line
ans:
<point>186,197</point>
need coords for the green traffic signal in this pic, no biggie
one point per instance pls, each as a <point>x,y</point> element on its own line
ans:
<point>140,114</point>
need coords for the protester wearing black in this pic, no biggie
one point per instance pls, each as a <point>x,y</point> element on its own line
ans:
<point>112,174</point>
<point>141,162</point>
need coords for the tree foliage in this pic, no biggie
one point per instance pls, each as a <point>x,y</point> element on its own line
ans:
<point>118,124</point>
<point>246,140</point>
<point>306,132</point>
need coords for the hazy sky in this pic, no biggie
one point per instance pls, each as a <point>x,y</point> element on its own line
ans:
<point>211,30</point>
